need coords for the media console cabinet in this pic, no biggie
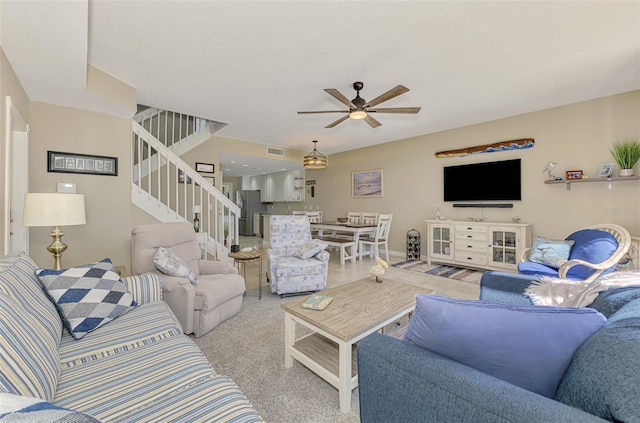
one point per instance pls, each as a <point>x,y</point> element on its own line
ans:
<point>483,245</point>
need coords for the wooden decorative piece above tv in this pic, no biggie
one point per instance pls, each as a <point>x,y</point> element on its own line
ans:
<point>520,144</point>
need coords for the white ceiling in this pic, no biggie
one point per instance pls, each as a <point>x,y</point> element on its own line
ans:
<point>254,64</point>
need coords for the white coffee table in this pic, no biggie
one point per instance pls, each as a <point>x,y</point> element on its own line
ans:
<point>358,309</point>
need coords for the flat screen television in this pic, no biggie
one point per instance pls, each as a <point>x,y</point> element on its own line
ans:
<point>489,181</point>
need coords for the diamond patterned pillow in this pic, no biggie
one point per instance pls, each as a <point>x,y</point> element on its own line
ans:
<point>87,296</point>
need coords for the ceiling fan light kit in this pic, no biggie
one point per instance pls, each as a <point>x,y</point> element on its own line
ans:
<point>315,160</point>
<point>359,108</point>
<point>358,114</point>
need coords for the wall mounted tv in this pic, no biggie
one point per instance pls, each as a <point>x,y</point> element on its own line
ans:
<point>489,181</point>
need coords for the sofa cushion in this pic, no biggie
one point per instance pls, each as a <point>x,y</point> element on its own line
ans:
<point>170,264</point>
<point>29,362</point>
<point>536,269</point>
<point>17,408</point>
<point>602,378</point>
<point>593,246</point>
<point>550,252</point>
<point>87,296</point>
<point>18,280</point>
<point>528,346</point>
<point>310,249</point>
<point>292,266</point>
<point>612,300</point>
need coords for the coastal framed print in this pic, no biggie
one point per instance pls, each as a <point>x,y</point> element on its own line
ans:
<point>61,162</point>
<point>367,183</point>
<point>606,169</point>
<point>573,174</point>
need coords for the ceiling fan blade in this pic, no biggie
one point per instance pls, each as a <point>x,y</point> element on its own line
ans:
<point>342,119</point>
<point>324,111</point>
<point>412,110</point>
<point>338,96</point>
<point>371,121</point>
<point>393,92</point>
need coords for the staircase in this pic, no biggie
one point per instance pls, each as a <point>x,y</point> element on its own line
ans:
<point>167,188</point>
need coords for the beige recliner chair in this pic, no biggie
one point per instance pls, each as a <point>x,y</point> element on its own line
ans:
<point>199,308</point>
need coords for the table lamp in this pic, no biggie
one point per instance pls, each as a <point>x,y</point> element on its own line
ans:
<point>54,209</point>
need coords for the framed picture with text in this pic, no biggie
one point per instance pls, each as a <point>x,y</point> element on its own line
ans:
<point>58,161</point>
<point>205,167</point>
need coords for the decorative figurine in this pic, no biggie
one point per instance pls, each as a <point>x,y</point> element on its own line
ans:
<point>548,169</point>
<point>379,270</point>
<point>438,215</point>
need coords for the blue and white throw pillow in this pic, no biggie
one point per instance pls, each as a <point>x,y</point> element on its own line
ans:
<point>550,252</point>
<point>87,296</point>
<point>170,264</point>
<point>310,249</point>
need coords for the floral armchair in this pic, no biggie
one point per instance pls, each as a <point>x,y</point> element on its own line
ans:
<point>297,264</point>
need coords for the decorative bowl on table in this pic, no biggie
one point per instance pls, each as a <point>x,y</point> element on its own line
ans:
<point>342,219</point>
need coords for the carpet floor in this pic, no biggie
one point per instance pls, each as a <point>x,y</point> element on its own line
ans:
<point>452,272</point>
<point>249,348</point>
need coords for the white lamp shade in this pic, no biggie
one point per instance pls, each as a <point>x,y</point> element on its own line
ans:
<point>53,209</point>
<point>197,209</point>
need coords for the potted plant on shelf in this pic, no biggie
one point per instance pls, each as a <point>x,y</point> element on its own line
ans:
<point>626,154</point>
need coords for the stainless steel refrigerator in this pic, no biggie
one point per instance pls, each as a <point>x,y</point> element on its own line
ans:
<point>249,203</point>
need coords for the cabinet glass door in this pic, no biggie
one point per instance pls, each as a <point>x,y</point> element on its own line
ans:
<point>503,247</point>
<point>441,241</point>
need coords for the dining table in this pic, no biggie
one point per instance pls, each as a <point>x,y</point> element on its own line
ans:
<point>357,229</point>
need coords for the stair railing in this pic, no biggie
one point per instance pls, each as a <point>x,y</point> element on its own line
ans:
<point>171,128</point>
<point>167,188</point>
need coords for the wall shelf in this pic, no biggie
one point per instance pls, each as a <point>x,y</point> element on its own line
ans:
<point>607,180</point>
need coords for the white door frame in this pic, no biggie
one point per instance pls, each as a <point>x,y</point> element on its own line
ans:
<point>16,180</point>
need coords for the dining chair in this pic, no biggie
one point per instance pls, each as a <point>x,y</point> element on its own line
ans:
<point>381,237</point>
<point>369,218</point>
<point>354,217</point>
<point>314,216</point>
<point>299,213</point>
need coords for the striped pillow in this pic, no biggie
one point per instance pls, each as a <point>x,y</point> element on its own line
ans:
<point>17,280</point>
<point>29,361</point>
<point>144,288</point>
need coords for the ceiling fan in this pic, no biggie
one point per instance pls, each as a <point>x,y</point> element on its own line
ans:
<point>359,108</point>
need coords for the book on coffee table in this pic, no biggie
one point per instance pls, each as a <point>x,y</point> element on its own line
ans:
<point>317,302</point>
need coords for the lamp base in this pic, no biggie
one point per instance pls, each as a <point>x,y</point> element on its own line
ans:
<point>57,247</point>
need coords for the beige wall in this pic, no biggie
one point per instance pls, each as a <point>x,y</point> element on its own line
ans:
<point>107,198</point>
<point>9,86</point>
<point>576,137</point>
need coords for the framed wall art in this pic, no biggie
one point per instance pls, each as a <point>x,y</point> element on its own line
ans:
<point>58,161</point>
<point>573,174</point>
<point>205,167</point>
<point>210,179</point>
<point>606,169</point>
<point>183,178</point>
<point>367,183</point>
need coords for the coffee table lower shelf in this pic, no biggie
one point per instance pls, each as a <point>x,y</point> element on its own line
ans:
<point>321,354</point>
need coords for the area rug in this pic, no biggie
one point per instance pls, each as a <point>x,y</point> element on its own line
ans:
<point>446,271</point>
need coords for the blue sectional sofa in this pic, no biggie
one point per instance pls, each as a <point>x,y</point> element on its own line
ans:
<point>139,367</point>
<point>402,382</point>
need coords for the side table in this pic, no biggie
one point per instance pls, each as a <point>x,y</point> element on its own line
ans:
<point>249,257</point>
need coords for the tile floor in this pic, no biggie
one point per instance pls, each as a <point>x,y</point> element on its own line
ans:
<point>339,275</point>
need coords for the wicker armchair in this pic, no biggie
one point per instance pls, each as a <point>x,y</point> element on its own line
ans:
<point>584,263</point>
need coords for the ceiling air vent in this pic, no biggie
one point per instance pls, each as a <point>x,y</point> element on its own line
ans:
<point>273,151</point>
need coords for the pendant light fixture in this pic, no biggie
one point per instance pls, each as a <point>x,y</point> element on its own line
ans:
<point>315,159</point>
